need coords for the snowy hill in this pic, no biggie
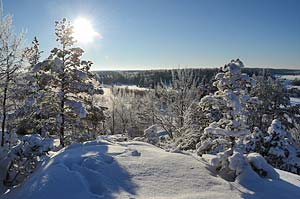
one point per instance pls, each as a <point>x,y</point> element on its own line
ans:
<point>111,169</point>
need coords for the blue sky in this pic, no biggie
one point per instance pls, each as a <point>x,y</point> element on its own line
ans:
<point>149,34</point>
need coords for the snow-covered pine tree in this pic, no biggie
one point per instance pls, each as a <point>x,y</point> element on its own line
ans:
<point>11,61</point>
<point>280,149</point>
<point>255,141</point>
<point>274,105</point>
<point>225,135</point>
<point>94,122</point>
<point>33,53</point>
<point>32,114</point>
<point>70,79</point>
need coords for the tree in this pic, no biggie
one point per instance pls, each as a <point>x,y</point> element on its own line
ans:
<point>195,121</point>
<point>11,60</point>
<point>31,115</point>
<point>70,79</point>
<point>225,135</point>
<point>277,146</point>
<point>274,105</point>
<point>172,100</point>
<point>95,119</point>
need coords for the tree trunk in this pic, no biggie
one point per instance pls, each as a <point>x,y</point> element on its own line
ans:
<point>113,120</point>
<point>62,125</point>
<point>4,110</point>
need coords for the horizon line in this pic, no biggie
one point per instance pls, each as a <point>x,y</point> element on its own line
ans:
<point>195,67</point>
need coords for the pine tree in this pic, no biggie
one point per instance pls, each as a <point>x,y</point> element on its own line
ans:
<point>226,134</point>
<point>274,105</point>
<point>279,148</point>
<point>70,79</point>
<point>95,119</point>
<point>30,116</point>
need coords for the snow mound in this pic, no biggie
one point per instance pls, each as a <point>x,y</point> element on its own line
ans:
<point>260,165</point>
<point>110,169</point>
<point>154,134</point>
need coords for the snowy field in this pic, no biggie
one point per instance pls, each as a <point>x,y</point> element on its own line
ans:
<point>110,169</point>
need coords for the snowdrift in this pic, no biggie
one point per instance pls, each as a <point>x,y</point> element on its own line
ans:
<point>111,169</point>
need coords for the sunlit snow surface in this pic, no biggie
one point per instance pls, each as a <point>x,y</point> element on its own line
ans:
<point>110,169</point>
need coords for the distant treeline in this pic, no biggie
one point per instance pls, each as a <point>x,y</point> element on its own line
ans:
<point>150,78</point>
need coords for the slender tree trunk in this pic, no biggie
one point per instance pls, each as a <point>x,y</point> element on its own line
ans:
<point>4,109</point>
<point>113,120</point>
<point>62,125</point>
<point>38,116</point>
<point>62,105</point>
<point>3,115</point>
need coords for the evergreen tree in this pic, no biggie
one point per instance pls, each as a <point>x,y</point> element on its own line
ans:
<point>273,105</point>
<point>70,79</point>
<point>226,134</point>
<point>32,115</point>
<point>277,146</point>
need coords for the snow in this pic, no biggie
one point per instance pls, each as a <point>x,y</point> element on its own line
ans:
<point>36,140</point>
<point>219,131</point>
<point>295,100</point>
<point>78,107</point>
<point>289,77</point>
<point>237,162</point>
<point>251,186</point>
<point>261,165</point>
<point>277,128</point>
<point>107,169</point>
<point>154,133</point>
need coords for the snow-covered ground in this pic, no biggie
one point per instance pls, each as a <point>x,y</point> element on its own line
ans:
<point>111,169</point>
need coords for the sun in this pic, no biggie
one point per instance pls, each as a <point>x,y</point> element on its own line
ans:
<point>84,31</point>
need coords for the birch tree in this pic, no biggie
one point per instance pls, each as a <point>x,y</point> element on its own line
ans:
<point>11,60</point>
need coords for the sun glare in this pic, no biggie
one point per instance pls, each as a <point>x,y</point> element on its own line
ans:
<point>84,31</point>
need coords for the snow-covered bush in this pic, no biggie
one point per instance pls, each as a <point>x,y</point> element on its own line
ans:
<point>261,167</point>
<point>154,134</point>
<point>23,158</point>
<point>277,146</point>
<point>281,150</point>
<point>229,164</point>
<point>188,136</point>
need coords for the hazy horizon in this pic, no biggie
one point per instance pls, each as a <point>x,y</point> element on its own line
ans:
<point>132,68</point>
